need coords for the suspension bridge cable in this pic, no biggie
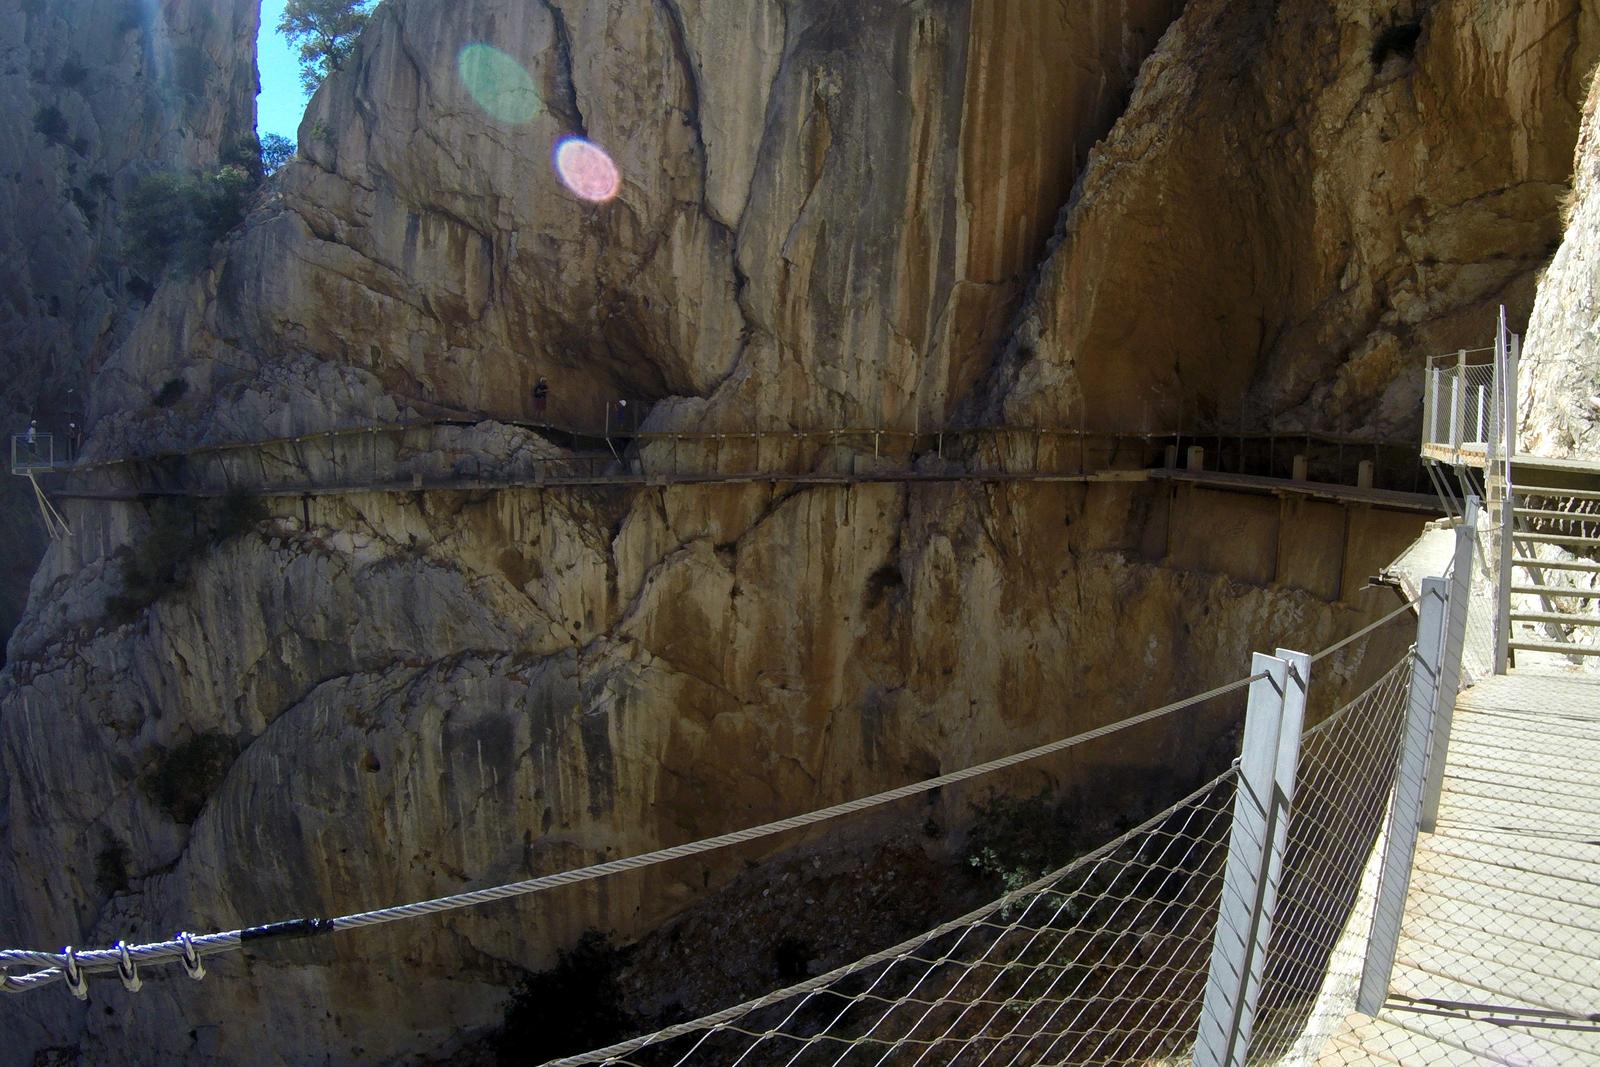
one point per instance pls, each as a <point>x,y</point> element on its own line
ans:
<point>73,966</point>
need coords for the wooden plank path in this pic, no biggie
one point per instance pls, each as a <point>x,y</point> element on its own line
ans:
<point>1503,912</point>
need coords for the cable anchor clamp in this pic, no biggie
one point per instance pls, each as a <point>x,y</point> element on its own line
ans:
<point>77,981</point>
<point>127,970</point>
<point>191,959</point>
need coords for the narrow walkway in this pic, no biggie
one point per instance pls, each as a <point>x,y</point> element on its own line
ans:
<point>1384,498</point>
<point>1502,923</point>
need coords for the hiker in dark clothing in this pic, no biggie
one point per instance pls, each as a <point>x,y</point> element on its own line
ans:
<point>541,397</point>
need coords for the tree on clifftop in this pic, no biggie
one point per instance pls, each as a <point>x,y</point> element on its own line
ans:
<point>326,31</point>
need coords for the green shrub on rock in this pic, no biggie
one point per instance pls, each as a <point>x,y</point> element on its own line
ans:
<point>174,219</point>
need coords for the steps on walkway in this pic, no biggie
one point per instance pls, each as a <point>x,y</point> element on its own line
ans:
<point>1542,491</point>
<point>1565,540</point>
<point>1583,565</point>
<point>1555,618</point>
<point>1557,590</point>
<point>1553,648</point>
<point>1556,515</point>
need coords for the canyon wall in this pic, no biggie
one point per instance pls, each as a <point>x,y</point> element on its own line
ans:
<point>1301,203</point>
<point>94,94</point>
<point>832,213</point>
<point>1558,404</point>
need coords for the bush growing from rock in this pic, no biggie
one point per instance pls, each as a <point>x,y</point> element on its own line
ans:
<point>174,219</point>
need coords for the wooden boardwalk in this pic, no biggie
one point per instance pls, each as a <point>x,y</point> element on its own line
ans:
<point>1499,958</point>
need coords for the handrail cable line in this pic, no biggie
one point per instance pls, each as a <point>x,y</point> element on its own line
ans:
<point>1103,964</point>
<point>1403,609</point>
<point>904,950</point>
<point>74,966</point>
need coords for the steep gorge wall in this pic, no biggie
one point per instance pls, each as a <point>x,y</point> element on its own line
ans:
<point>93,95</point>
<point>1303,201</point>
<point>827,212</point>
<point>832,213</point>
<point>1559,402</point>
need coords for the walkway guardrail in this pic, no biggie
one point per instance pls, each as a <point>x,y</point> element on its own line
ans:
<point>34,453</point>
<point>1461,407</point>
<point>443,454</point>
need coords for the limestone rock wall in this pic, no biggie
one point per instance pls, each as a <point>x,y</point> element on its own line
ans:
<point>93,94</point>
<point>1559,403</point>
<point>1302,202</point>
<point>828,213</point>
<point>832,213</point>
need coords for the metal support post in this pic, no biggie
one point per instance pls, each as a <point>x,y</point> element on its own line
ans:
<point>1256,844</point>
<point>1458,403</point>
<point>1450,663</point>
<point>1434,395</point>
<point>1405,813</point>
<point>1508,513</point>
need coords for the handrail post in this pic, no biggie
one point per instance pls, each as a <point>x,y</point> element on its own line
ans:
<point>1455,639</point>
<point>1257,841</point>
<point>1405,811</point>
<point>1508,512</point>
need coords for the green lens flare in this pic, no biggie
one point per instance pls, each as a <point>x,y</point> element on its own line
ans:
<point>499,84</point>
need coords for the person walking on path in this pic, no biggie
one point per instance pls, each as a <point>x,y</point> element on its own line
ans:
<point>541,398</point>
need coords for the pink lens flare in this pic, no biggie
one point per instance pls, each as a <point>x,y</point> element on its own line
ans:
<point>584,168</point>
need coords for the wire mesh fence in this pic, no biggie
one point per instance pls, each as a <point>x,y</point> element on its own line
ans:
<point>1478,652</point>
<point>1101,962</point>
<point>1345,775</point>
<point>1461,405</point>
<point>1105,961</point>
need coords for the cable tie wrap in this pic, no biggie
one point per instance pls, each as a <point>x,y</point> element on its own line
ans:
<point>190,958</point>
<point>127,970</point>
<point>77,981</point>
<point>292,928</point>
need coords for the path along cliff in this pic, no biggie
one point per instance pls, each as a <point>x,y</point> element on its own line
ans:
<point>1120,215</point>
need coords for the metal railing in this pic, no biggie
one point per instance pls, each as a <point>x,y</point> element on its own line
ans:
<point>35,453</point>
<point>1461,407</point>
<point>1238,925</point>
<point>441,454</point>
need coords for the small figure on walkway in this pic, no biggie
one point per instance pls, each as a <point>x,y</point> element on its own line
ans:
<point>33,432</point>
<point>541,398</point>
<point>622,414</point>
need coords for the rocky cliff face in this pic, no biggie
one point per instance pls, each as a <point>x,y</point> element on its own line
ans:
<point>832,213</point>
<point>1559,401</point>
<point>1301,202</point>
<point>93,95</point>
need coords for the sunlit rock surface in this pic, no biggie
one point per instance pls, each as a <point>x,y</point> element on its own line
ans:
<point>1303,201</point>
<point>831,213</point>
<point>1559,403</point>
